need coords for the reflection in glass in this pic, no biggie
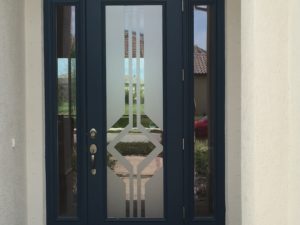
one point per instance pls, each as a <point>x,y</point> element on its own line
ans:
<point>202,115</point>
<point>134,111</point>
<point>66,111</point>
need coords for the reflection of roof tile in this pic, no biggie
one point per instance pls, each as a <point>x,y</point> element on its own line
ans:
<point>134,44</point>
<point>200,55</point>
<point>200,61</point>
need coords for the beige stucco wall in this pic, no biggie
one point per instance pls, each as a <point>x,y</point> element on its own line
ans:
<point>12,115</point>
<point>294,114</point>
<point>233,112</point>
<point>35,142</point>
<point>270,112</point>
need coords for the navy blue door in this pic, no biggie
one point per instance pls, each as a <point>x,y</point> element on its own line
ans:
<point>135,112</point>
<point>134,99</point>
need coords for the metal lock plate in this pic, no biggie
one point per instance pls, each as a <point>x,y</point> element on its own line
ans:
<point>93,149</point>
<point>93,172</point>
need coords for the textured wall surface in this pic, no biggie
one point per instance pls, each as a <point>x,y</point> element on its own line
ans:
<point>248,115</point>
<point>294,116</point>
<point>265,112</point>
<point>35,141</point>
<point>233,111</point>
<point>12,114</point>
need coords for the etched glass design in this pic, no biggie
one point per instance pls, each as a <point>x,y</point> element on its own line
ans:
<point>134,80</point>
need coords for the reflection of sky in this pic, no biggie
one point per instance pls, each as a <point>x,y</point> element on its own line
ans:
<point>134,66</point>
<point>62,67</point>
<point>200,28</point>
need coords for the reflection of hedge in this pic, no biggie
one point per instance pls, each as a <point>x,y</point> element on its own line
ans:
<point>63,95</point>
<point>123,122</point>
<point>134,94</point>
<point>135,148</point>
<point>201,157</point>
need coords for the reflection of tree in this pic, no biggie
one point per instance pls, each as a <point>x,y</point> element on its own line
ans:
<point>204,159</point>
<point>134,93</point>
<point>65,37</point>
<point>66,98</point>
<point>66,49</point>
<point>201,157</point>
<point>66,89</point>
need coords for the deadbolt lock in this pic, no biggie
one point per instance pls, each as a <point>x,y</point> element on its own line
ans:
<point>93,133</point>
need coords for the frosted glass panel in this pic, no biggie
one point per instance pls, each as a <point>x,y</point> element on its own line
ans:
<point>134,88</point>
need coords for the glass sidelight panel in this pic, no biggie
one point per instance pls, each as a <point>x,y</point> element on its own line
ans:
<point>134,80</point>
<point>203,199</point>
<point>66,111</point>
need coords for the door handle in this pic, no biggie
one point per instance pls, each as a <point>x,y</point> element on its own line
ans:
<point>93,165</point>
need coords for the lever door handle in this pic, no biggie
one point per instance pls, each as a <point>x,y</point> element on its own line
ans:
<point>93,165</point>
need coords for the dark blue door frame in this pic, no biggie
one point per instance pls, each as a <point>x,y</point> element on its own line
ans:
<point>217,91</point>
<point>178,111</point>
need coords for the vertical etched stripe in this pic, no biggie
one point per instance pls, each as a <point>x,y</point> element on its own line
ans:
<point>114,65</point>
<point>130,108</point>
<point>138,106</point>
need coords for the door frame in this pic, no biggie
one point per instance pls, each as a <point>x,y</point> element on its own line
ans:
<point>51,112</point>
<point>169,105</point>
<point>218,111</point>
<point>51,103</point>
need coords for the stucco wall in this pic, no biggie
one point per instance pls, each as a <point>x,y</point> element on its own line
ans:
<point>247,126</point>
<point>270,112</point>
<point>12,114</point>
<point>35,142</point>
<point>233,111</point>
<point>294,116</point>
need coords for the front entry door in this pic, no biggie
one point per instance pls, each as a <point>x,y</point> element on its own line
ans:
<point>134,95</point>
<point>134,112</point>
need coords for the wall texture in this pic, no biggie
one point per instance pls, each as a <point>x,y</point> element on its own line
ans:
<point>270,112</point>
<point>294,116</point>
<point>12,114</point>
<point>35,141</point>
<point>233,111</point>
<point>247,119</point>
